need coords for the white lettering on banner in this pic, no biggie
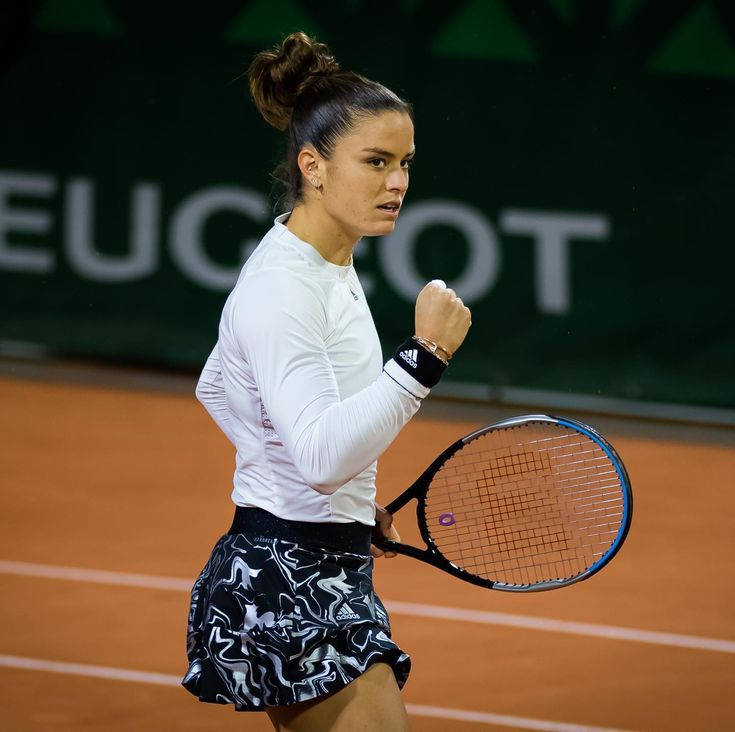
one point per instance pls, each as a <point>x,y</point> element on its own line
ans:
<point>552,232</point>
<point>16,257</point>
<point>396,251</point>
<point>85,259</point>
<point>187,225</point>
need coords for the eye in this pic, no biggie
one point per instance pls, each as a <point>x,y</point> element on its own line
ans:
<point>376,162</point>
<point>407,163</point>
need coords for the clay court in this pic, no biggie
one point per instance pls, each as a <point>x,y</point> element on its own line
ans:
<point>114,493</point>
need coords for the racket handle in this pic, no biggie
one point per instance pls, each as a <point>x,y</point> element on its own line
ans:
<point>386,544</point>
<point>379,540</point>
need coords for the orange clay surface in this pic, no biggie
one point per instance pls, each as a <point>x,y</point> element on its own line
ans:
<point>132,481</point>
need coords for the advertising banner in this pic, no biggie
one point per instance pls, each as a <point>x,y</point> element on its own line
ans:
<point>574,182</point>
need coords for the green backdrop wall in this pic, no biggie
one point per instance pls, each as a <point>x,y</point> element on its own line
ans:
<point>573,180</point>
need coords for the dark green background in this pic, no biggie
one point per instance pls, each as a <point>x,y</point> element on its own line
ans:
<point>624,108</point>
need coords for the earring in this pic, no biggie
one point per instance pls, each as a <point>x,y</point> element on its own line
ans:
<point>315,183</point>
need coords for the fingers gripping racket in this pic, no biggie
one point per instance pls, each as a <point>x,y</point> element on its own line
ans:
<point>530,503</point>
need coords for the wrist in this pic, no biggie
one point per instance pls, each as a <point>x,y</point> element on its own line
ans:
<point>418,361</point>
<point>434,348</point>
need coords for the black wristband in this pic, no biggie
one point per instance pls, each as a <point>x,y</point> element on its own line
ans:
<point>423,365</point>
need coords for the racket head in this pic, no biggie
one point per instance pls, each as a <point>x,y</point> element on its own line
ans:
<point>539,515</point>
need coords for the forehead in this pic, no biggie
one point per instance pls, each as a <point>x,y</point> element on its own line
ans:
<point>390,130</point>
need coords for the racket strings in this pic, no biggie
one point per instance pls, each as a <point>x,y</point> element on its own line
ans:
<point>526,505</point>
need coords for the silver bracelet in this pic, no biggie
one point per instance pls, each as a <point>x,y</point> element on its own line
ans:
<point>434,349</point>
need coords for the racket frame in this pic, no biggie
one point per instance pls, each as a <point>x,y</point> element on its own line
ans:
<point>432,555</point>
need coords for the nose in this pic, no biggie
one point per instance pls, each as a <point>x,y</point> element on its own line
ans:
<point>397,180</point>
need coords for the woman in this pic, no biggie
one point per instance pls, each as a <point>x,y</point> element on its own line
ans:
<point>284,617</point>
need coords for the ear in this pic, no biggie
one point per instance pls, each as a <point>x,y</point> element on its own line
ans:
<point>308,160</point>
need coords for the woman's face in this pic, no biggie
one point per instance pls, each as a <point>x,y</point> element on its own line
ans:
<point>366,178</point>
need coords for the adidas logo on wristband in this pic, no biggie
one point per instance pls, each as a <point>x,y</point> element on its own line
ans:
<point>410,356</point>
<point>426,368</point>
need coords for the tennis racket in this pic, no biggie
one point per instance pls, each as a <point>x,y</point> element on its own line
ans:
<point>527,504</point>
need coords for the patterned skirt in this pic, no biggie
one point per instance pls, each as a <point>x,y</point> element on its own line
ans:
<point>285,612</point>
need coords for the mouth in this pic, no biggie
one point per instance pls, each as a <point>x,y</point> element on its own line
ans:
<point>390,208</point>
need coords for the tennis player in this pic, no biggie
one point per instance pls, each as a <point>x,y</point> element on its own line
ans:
<point>283,617</point>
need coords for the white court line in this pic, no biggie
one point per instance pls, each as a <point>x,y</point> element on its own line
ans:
<point>84,669</point>
<point>510,620</point>
<point>105,577</point>
<point>419,710</point>
<point>529,622</point>
<point>502,720</point>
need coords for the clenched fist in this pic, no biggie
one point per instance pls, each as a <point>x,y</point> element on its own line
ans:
<point>442,317</point>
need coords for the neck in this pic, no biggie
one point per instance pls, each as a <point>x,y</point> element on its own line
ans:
<point>312,224</point>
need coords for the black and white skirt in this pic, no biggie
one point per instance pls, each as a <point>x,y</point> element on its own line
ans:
<point>285,612</point>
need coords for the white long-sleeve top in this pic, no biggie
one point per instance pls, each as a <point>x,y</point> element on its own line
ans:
<point>297,384</point>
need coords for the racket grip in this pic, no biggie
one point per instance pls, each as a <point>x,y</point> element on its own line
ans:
<point>379,540</point>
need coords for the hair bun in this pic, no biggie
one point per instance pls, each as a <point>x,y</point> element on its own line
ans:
<point>277,77</point>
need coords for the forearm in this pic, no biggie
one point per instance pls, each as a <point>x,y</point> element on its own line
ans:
<point>348,436</point>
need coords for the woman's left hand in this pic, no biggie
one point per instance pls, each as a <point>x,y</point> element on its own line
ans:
<point>384,524</point>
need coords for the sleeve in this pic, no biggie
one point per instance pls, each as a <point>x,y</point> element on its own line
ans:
<point>210,391</point>
<point>280,325</point>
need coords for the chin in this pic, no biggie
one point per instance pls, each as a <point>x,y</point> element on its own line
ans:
<point>381,229</point>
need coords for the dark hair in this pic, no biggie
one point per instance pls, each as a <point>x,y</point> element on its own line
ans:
<point>300,89</point>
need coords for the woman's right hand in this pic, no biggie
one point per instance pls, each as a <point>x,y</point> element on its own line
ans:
<point>442,317</point>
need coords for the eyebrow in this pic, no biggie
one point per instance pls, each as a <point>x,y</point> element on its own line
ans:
<point>385,153</point>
